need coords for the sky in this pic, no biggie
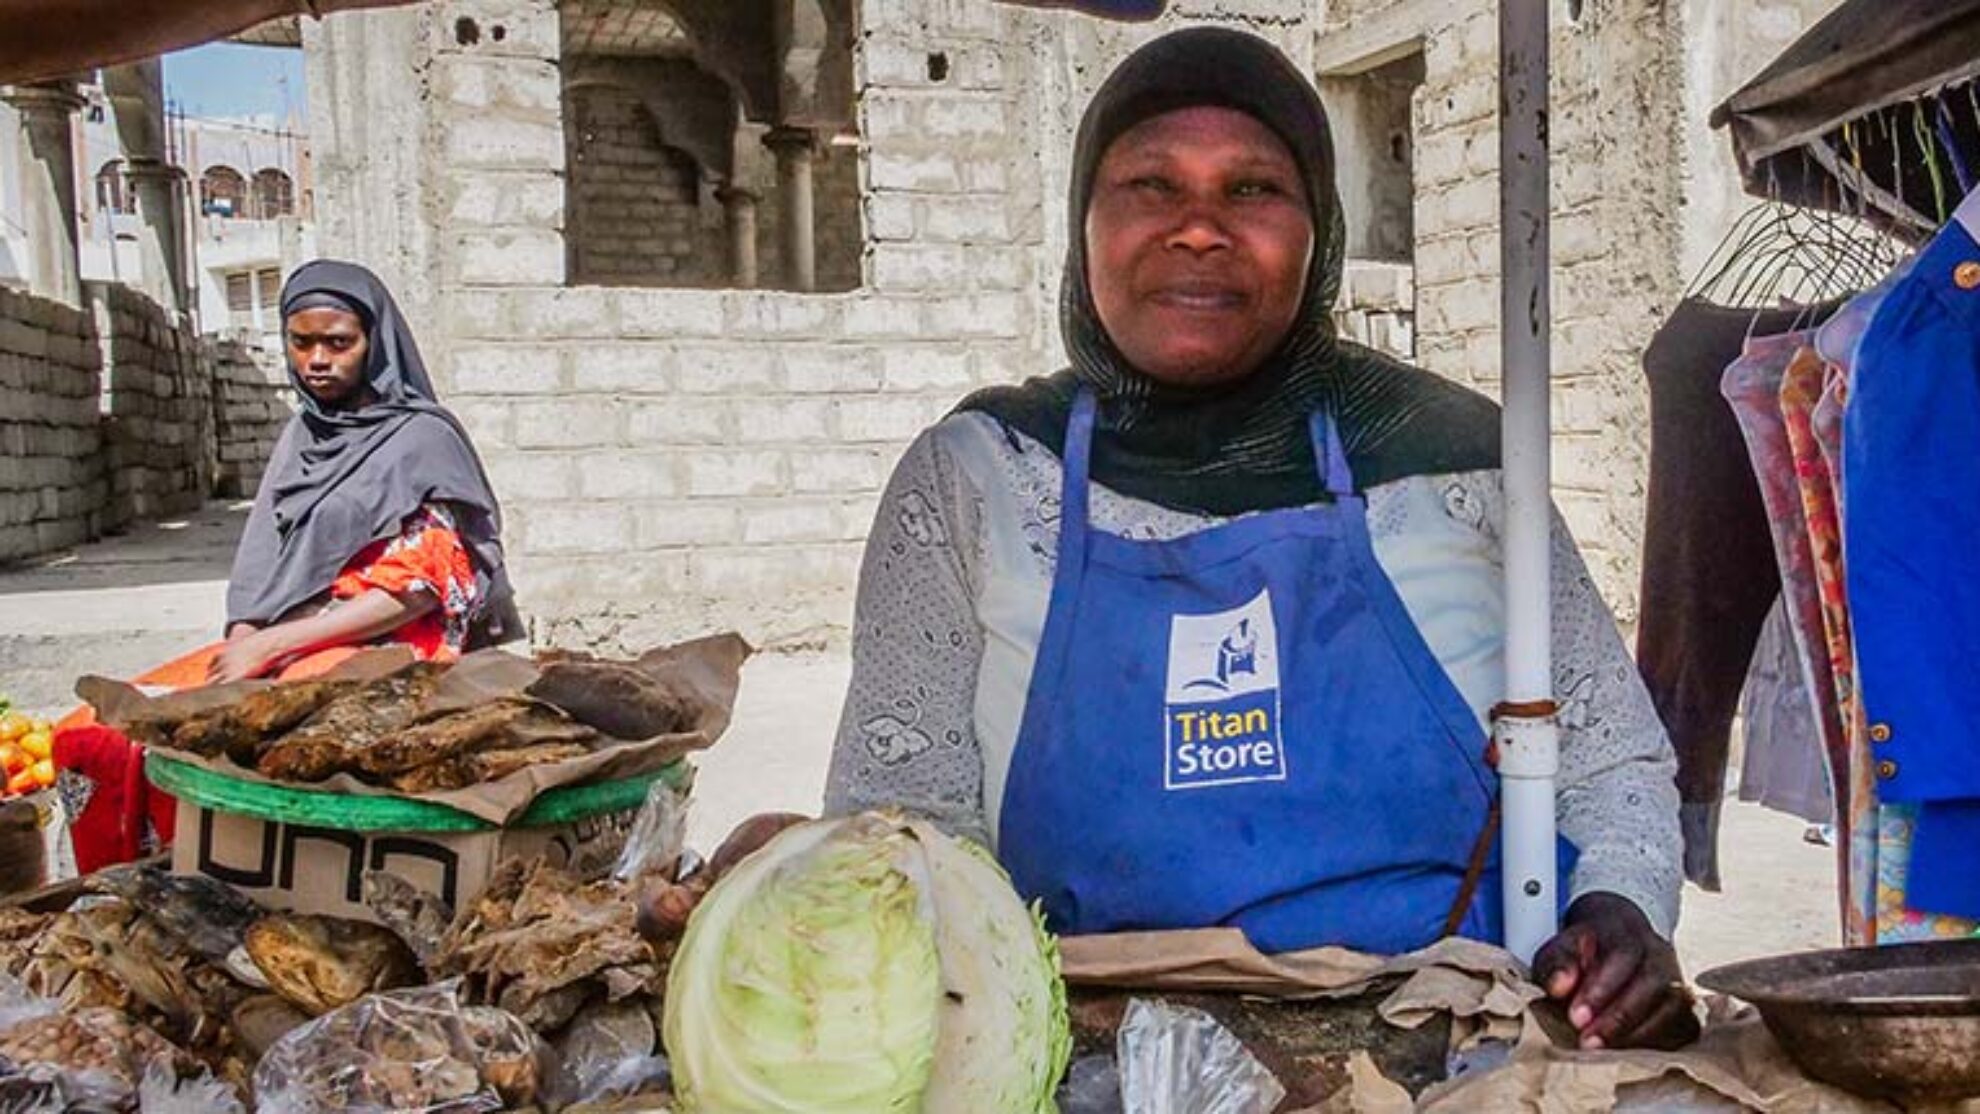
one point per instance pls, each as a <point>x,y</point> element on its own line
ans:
<point>228,80</point>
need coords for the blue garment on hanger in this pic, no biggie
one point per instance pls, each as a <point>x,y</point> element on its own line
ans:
<point>1911,461</point>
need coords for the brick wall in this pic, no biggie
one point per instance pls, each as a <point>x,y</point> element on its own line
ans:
<point>638,211</point>
<point>158,429</point>
<point>52,487</point>
<point>252,401</point>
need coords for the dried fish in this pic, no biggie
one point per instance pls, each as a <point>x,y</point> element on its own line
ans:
<point>419,918</point>
<point>206,915</point>
<point>322,963</point>
<point>475,769</point>
<point>541,943</point>
<point>242,728</point>
<point>500,725</point>
<point>330,741</point>
<point>617,698</point>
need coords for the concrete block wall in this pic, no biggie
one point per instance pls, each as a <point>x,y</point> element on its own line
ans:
<point>672,460</point>
<point>1617,127</point>
<point>158,409</point>
<point>52,484</point>
<point>252,401</point>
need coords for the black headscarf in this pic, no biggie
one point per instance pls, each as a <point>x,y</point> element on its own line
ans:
<point>1241,446</point>
<point>341,479</point>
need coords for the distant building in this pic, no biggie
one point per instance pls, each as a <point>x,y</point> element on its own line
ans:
<point>249,206</point>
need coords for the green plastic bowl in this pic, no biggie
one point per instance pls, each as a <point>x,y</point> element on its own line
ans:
<point>285,804</point>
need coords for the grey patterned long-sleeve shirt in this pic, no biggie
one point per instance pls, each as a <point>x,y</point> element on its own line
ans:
<point>952,601</point>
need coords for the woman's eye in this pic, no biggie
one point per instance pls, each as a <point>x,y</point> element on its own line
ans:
<point>1258,187</point>
<point>1149,183</point>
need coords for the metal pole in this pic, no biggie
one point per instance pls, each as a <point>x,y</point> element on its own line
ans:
<point>1525,728</point>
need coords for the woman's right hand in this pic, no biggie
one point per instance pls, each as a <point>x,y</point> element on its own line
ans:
<point>664,906</point>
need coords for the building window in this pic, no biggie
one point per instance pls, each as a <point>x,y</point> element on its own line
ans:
<point>734,165</point>
<point>112,195</point>
<point>254,299</point>
<point>222,192</point>
<point>274,194</point>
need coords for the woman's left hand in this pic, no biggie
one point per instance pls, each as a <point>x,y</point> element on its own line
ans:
<point>248,656</point>
<point>1620,979</point>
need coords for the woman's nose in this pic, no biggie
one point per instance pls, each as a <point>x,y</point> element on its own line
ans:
<point>1200,228</point>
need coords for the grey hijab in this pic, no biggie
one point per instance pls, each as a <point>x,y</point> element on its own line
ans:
<point>341,479</point>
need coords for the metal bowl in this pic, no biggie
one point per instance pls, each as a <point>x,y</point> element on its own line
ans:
<point>1899,1022</point>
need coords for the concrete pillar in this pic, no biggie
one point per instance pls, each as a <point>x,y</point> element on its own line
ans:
<point>48,186</point>
<point>739,211</point>
<point>137,94</point>
<point>157,186</point>
<point>795,149</point>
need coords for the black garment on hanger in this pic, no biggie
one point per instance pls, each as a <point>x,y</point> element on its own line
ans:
<point>1709,569</point>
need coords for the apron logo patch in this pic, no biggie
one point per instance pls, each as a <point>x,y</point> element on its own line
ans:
<point>1221,714</point>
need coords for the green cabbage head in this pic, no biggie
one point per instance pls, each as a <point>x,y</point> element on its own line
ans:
<point>868,964</point>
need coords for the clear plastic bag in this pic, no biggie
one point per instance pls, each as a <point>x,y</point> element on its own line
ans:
<point>657,836</point>
<point>611,1052</point>
<point>1178,1060</point>
<point>1092,1086</point>
<point>416,1051</point>
<point>86,1060</point>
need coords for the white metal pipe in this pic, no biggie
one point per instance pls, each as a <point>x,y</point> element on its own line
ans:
<point>1528,745</point>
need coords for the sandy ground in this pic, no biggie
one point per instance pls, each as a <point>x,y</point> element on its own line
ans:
<point>121,605</point>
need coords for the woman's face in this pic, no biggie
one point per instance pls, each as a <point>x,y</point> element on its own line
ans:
<point>1197,242</point>
<point>327,347</point>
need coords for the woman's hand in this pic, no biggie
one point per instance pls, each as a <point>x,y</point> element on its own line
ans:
<point>1620,979</point>
<point>248,656</point>
<point>240,630</point>
<point>664,906</point>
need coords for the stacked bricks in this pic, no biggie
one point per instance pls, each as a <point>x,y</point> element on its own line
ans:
<point>637,205</point>
<point>158,432</point>
<point>52,485</point>
<point>252,401</point>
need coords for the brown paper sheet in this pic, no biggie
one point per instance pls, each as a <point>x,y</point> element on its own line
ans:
<point>710,669</point>
<point>1736,1065</point>
<point>1210,960</point>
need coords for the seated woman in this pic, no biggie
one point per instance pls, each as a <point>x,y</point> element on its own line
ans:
<point>374,523</point>
<point>1207,629</point>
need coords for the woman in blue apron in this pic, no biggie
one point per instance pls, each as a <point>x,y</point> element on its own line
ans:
<point>1206,629</point>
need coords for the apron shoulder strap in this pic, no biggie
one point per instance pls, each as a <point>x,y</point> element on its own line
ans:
<point>1332,457</point>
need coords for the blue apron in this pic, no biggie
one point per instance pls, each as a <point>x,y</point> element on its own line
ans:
<point>1244,727</point>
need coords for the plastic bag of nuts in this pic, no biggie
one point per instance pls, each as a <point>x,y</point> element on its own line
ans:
<point>91,1059</point>
<point>417,1051</point>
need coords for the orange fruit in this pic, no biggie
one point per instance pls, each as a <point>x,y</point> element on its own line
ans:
<point>13,758</point>
<point>43,773</point>
<point>37,744</point>
<point>13,725</point>
<point>21,782</point>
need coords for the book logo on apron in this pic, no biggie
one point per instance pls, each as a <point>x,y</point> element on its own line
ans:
<point>1221,714</point>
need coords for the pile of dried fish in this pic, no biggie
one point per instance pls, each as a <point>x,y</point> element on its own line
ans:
<point>400,732</point>
<point>323,963</point>
<point>543,944</point>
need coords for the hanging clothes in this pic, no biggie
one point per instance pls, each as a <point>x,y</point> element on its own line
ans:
<point>1782,767</point>
<point>1752,384</point>
<point>1910,427</point>
<point>1709,569</point>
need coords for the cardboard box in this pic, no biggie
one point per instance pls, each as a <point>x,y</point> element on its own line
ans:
<point>307,869</point>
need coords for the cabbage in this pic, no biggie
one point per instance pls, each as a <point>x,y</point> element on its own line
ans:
<point>864,965</point>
